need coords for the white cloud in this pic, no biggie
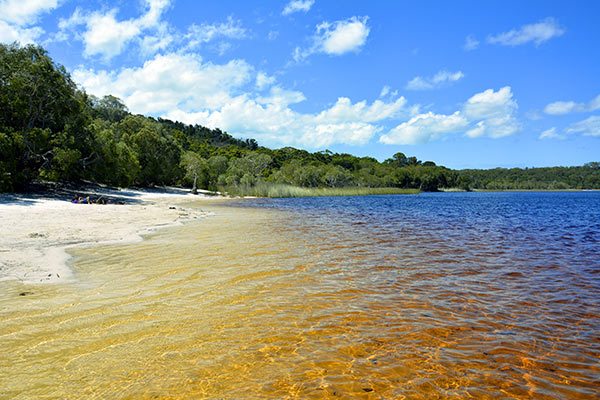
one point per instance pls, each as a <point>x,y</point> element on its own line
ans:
<point>169,81</point>
<point>588,127</point>
<point>151,44</point>
<point>438,80</point>
<point>537,33</point>
<point>77,18</point>
<point>18,19</point>
<point>344,111</point>
<point>263,80</point>
<point>274,122</point>
<point>594,104</point>
<point>495,112</point>
<point>551,134</point>
<point>183,87</point>
<point>424,128</point>
<point>11,33</point>
<point>343,36</point>
<point>204,33</point>
<point>336,38</point>
<point>489,113</point>
<point>281,98</point>
<point>108,37</point>
<point>471,43</point>
<point>297,5</point>
<point>566,107</point>
<point>384,91</point>
<point>562,107</point>
<point>271,120</point>
<point>25,12</point>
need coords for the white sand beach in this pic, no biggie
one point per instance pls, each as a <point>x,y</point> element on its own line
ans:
<point>36,231</point>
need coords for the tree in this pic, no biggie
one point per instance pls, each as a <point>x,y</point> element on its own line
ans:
<point>217,166</point>
<point>336,176</point>
<point>156,150</point>
<point>109,108</point>
<point>44,116</point>
<point>196,168</point>
<point>398,160</point>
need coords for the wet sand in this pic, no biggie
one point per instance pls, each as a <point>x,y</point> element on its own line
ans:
<point>35,232</point>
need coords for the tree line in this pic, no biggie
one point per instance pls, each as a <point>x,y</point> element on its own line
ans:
<point>52,130</point>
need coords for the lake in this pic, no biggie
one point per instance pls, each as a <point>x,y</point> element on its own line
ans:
<point>437,295</point>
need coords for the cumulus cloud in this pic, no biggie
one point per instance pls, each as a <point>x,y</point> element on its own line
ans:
<point>184,87</point>
<point>271,120</point>
<point>263,80</point>
<point>588,127</point>
<point>438,80</point>
<point>566,107</point>
<point>297,5</point>
<point>168,81</point>
<point>537,33</point>
<point>107,36</point>
<point>22,12</point>
<point>12,33</point>
<point>494,113</point>
<point>471,43</point>
<point>18,19</point>
<point>161,40</point>
<point>336,38</point>
<point>489,113</point>
<point>425,128</point>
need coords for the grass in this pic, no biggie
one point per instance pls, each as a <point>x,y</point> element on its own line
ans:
<point>279,190</point>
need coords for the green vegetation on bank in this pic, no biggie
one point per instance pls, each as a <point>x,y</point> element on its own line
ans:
<point>52,130</point>
<point>549,178</point>
<point>279,190</point>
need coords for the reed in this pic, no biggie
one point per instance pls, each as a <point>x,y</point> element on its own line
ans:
<point>280,190</point>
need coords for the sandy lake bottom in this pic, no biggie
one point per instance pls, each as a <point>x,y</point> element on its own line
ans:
<point>261,303</point>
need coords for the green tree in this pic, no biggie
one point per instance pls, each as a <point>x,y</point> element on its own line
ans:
<point>109,108</point>
<point>44,116</point>
<point>196,169</point>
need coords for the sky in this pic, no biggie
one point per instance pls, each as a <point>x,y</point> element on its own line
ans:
<point>465,84</point>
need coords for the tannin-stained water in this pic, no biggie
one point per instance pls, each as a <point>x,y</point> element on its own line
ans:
<point>390,297</point>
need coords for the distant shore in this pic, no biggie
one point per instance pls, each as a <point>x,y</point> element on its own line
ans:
<point>37,229</point>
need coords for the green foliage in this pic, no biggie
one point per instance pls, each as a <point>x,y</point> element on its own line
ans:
<point>108,108</point>
<point>117,162</point>
<point>550,178</point>
<point>35,92</point>
<point>43,119</point>
<point>280,190</point>
<point>157,151</point>
<point>49,129</point>
<point>196,169</point>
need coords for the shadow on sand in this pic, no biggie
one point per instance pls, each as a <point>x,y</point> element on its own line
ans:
<point>95,194</point>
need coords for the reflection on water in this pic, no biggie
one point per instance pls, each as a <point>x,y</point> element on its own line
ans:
<point>390,297</point>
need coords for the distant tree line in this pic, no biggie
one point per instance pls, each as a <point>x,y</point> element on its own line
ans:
<point>52,130</point>
<point>549,178</point>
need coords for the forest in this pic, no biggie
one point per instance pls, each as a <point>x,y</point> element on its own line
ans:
<point>51,130</point>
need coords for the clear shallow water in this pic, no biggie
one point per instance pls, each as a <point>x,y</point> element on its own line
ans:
<point>456,295</point>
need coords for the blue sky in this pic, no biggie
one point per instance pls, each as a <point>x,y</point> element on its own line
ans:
<point>465,84</point>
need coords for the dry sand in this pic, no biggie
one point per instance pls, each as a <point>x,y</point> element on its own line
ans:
<point>35,232</point>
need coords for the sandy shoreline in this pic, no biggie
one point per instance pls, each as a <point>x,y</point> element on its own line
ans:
<point>36,232</point>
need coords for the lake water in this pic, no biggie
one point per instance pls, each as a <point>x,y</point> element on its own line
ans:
<point>447,295</point>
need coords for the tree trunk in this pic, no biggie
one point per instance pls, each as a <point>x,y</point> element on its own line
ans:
<point>195,188</point>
